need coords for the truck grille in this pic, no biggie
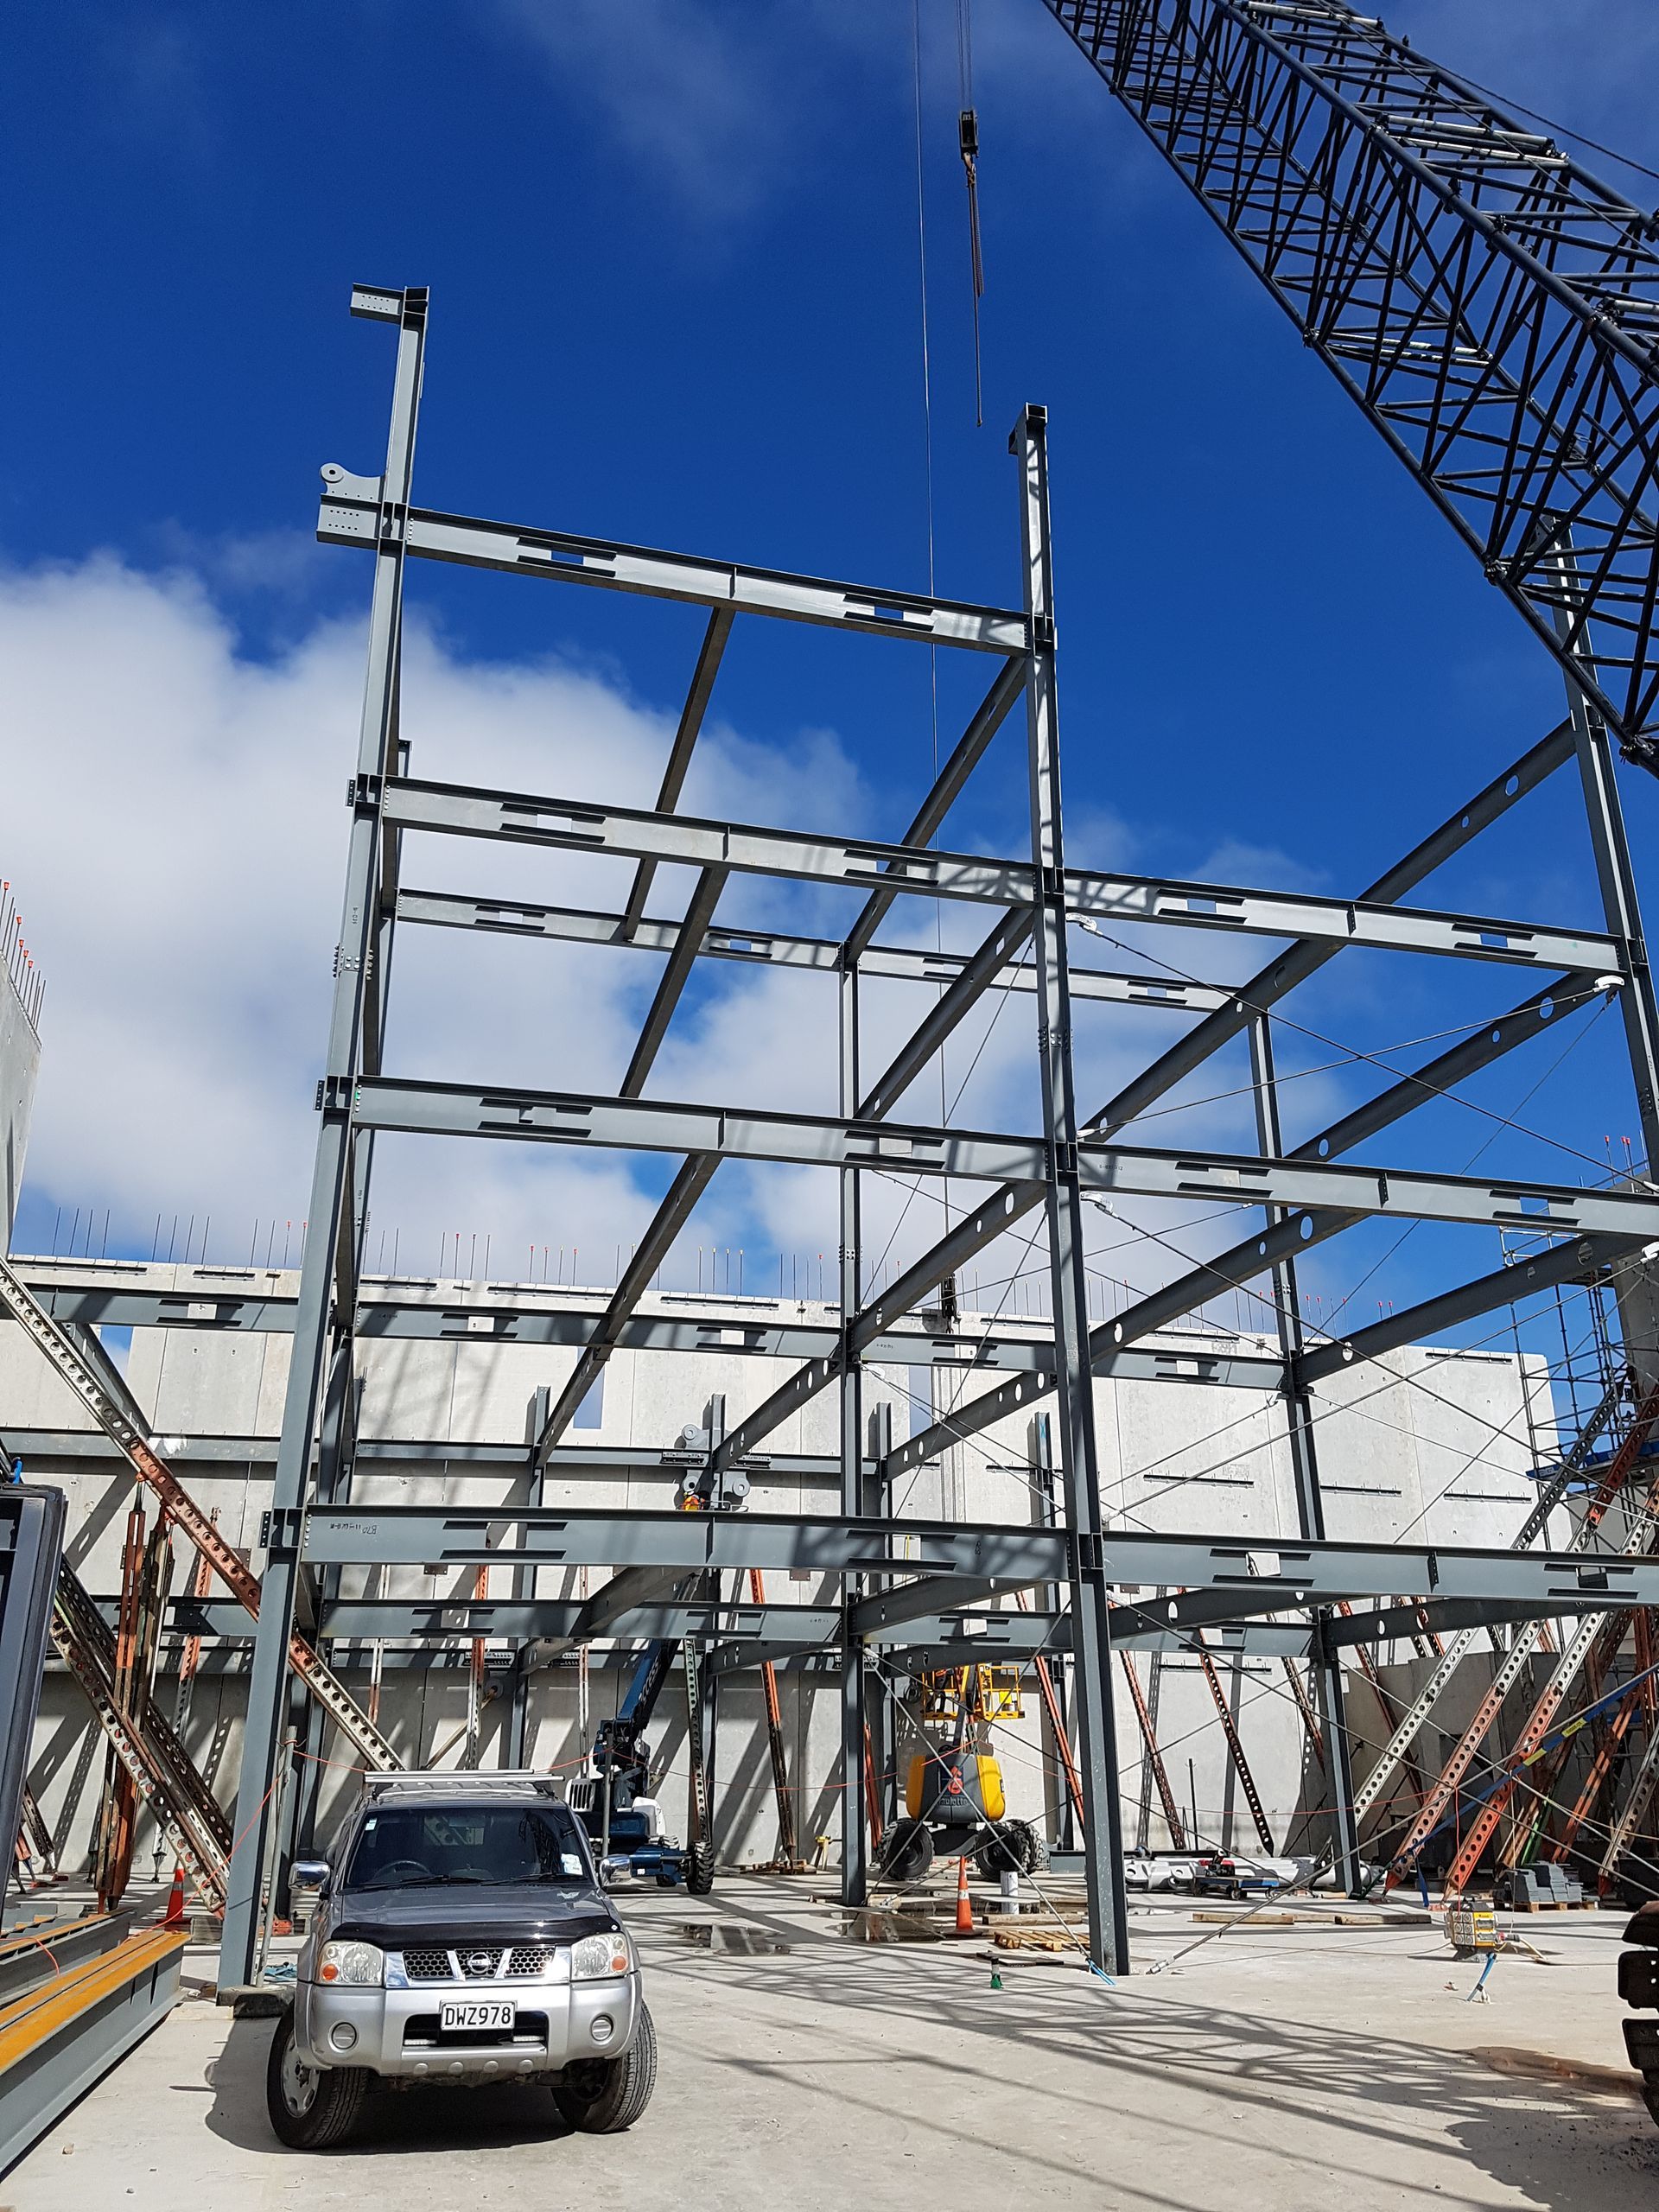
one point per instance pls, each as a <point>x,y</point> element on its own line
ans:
<point>429,1965</point>
<point>479,1963</point>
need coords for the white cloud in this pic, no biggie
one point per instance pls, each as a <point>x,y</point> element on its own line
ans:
<point>176,828</point>
<point>722,102</point>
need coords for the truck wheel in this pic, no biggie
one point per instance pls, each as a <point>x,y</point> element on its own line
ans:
<point>603,2096</point>
<point>311,2107</point>
<point>700,1869</point>
<point>909,1853</point>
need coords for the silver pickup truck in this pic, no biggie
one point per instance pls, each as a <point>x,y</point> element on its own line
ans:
<point>460,1936</point>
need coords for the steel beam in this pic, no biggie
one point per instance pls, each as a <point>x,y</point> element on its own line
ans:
<point>908,1602</point>
<point>1578,1260</point>
<point>678,1204</point>
<point>773,949</point>
<point>1007,688</point>
<point>676,975</point>
<point>1331,1739</point>
<point>1254,1577</point>
<point>561,824</point>
<point>351,504</point>
<point>930,1034</point>
<point>679,755</point>
<point>1300,961</point>
<point>1110,1342</point>
<point>804,1140</point>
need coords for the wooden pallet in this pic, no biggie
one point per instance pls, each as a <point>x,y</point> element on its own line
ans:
<point>1032,1939</point>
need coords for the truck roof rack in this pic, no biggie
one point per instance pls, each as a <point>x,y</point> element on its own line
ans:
<point>452,1782</point>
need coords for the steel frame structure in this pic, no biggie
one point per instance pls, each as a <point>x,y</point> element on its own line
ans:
<point>904,1580</point>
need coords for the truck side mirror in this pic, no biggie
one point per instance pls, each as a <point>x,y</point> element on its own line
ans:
<point>614,1871</point>
<point>313,1874</point>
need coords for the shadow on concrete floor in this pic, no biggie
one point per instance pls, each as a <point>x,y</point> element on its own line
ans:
<point>431,2118</point>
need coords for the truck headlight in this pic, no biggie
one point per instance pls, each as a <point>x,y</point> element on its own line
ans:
<point>597,1957</point>
<point>352,1965</point>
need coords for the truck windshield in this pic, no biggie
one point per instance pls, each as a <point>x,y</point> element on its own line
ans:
<point>410,1846</point>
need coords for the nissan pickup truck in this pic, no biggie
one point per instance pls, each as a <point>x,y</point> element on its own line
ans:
<point>460,1936</point>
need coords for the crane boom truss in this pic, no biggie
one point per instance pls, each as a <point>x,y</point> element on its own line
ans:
<point>1492,306</point>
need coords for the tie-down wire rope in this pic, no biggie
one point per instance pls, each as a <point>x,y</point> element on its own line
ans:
<point>1320,1331</point>
<point>1049,1764</point>
<point>1567,1002</point>
<point>1350,1055</point>
<point>1191,1643</point>
<point>1194,1644</point>
<point>1331,1410</point>
<point>1133,1514</point>
<point>1334,1044</point>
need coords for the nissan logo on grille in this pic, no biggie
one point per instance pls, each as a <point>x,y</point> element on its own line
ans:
<point>478,1962</point>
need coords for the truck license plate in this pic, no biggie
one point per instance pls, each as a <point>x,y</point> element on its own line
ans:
<point>477,2013</point>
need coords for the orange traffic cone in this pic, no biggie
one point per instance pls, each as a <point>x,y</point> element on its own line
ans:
<point>964,1907</point>
<point>174,1914</point>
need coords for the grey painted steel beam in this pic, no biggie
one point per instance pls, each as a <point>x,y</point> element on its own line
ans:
<point>1110,1340</point>
<point>557,1621</point>
<point>1392,1624</point>
<point>632,1587</point>
<point>681,1199</point>
<point>1243,1179</point>
<point>423,1535</point>
<point>350,507</point>
<point>977,976</point>
<point>728,1332</point>
<point>1075,1454</point>
<point>771,948</point>
<point>710,654</point>
<point>1259,1578</point>
<point>1300,961</point>
<point>1007,688</point>
<point>906,1602</point>
<point>1436,1077</point>
<point>465,810</point>
<point>676,975</point>
<point>678,1205</point>
<point>1577,1260</point>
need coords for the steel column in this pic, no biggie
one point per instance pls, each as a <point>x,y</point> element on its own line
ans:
<point>1109,1928</point>
<point>331,1186</point>
<point>854,1828</point>
<point>1304,1470</point>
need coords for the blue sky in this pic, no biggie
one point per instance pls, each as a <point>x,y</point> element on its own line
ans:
<point>673,249</point>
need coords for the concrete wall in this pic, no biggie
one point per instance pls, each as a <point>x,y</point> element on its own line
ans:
<point>1415,1458</point>
<point>20,1061</point>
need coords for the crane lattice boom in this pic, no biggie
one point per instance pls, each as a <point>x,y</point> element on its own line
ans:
<point>1492,306</point>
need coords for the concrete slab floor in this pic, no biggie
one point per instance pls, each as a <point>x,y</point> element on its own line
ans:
<point>1283,2069</point>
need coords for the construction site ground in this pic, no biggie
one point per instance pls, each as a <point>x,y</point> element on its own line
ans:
<point>804,2065</point>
